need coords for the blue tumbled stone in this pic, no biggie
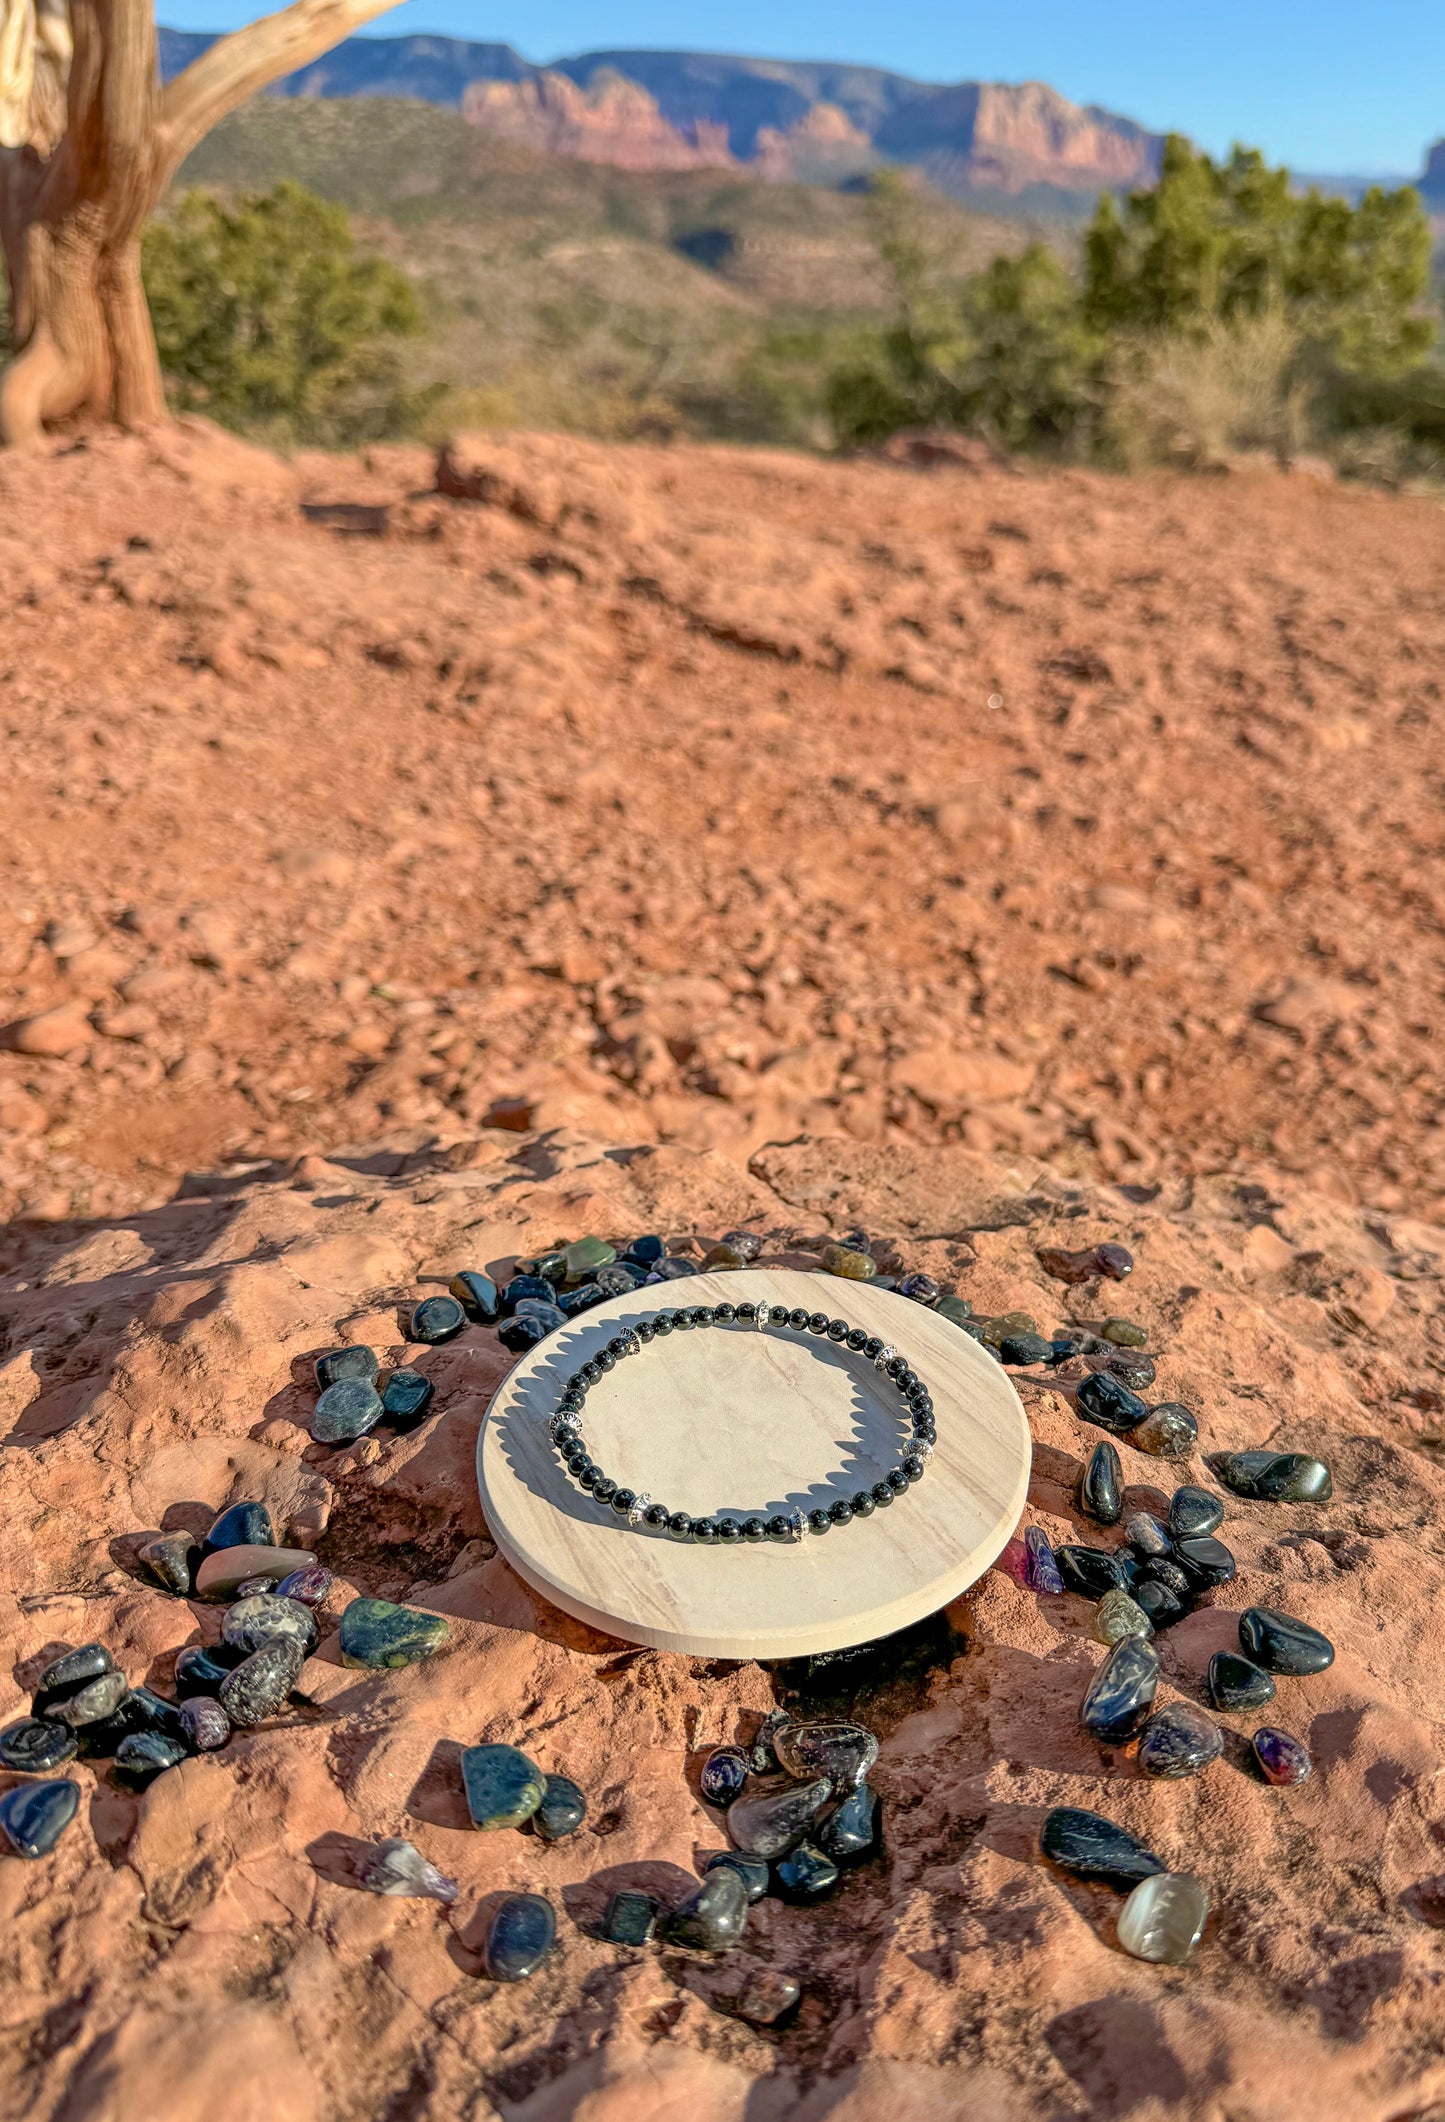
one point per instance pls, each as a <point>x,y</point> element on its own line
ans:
<point>805,1874</point>
<point>243,1525</point>
<point>521,1936</point>
<point>853,1830</point>
<point>34,1816</point>
<point>723,1775</point>
<point>527,1286</point>
<point>521,1334</point>
<point>646,1251</point>
<point>1118,1697</point>
<point>144,1755</point>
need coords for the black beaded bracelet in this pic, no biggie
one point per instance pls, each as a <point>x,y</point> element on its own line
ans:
<point>640,1510</point>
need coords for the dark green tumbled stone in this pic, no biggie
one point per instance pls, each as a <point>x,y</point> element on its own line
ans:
<point>712,1918</point>
<point>586,1255</point>
<point>346,1411</point>
<point>145,1755</point>
<point>804,1875</point>
<point>1088,1572</point>
<point>1177,1741</point>
<point>34,1816</point>
<point>1234,1683</point>
<point>521,1936</point>
<point>351,1362</point>
<point>404,1402</point>
<point>954,1307</point>
<point>1194,1511</point>
<point>1124,1333</point>
<point>477,1294</point>
<point>34,1745</point>
<point>1109,1405</point>
<point>1020,1349</point>
<point>1092,1847</point>
<point>437,1319</point>
<point>562,1810</point>
<point>243,1525</point>
<point>852,1832</point>
<point>503,1786</point>
<point>1101,1491</point>
<point>753,1871</point>
<point>631,1917</point>
<point>171,1560</point>
<point>1280,1644</point>
<point>375,1633</point>
<point>1118,1697</point>
<point>1276,1477</point>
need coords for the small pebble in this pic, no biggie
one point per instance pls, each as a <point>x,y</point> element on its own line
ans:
<point>762,1760</point>
<point>398,1867</point>
<point>852,1266</point>
<point>721,1256</point>
<point>205,1724</point>
<point>1104,1401</point>
<point>1178,1740</point>
<point>68,1675</point>
<point>1282,1759</point>
<point>853,1831</point>
<point>1234,1683</point>
<point>1101,1491</point>
<point>841,1751</point>
<point>1162,1606</point>
<point>1164,1918</point>
<point>585,1256</point>
<point>1066,1266</point>
<point>1158,1569</point>
<point>1194,1510</point>
<point>437,1319</point>
<point>1207,1563</point>
<point>34,1816</point>
<point>99,1698</point>
<point>171,1560</point>
<point>405,1399</point>
<point>1276,1477</point>
<point>339,1363</point>
<point>631,1917</point>
<point>1118,1697</point>
<point>1005,1324</point>
<point>1120,1615</point>
<point>1124,1333</point>
<point>477,1294</point>
<point>242,1525</point>
<point>920,1289</point>
<point>1043,1570</point>
<point>310,1586</point>
<point>143,1756</point>
<point>503,1786</point>
<point>1088,1572</point>
<point>804,1875</point>
<point>619,1280</point>
<point>252,1623</point>
<point>35,1745</point>
<point>951,1306</point>
<point>1092,1847</point>
<point>1131,1367</point>
<point>1113,1262</point>
<point>222,1574</point>
<point>199,1672</point>
<point>581,1299</point>
<point>258,1686</point>
<point>1146,1535</point>
<point>745,1243</point>
<point>520,1334</point>
<point>712,1918</point>
<point>753,1871</point>
<point>1280,1644</point>
<point>562,1810</point>
<point>377,1634</point>
<point>723,1775</point>
<point>672,1269</point>
<point>520,1937</point>
<point>1024,1349</point>
<point>551,1267</point>
<point>520,1287</point>
<point>771,1822</point>
<point>1168,1431</point>
<point>762,1996</point>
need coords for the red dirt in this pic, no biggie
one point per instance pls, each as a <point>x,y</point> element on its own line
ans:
<point>660,790</point>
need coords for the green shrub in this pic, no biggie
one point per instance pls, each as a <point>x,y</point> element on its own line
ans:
<point>270,319</point>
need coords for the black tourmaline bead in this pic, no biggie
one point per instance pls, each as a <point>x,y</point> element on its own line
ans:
<point>820,1520</point>
<point>817,1322</point>
<point>591,1370</point>
<point>589,1475</point>
<point>622,1501</point>
<point>662,1324</point>
<point>837,1329</point>
<point>873,1346</point>
<point>857,1339</point>
<point>705,1530</point>
<point>840,1512</point>
<point>778,1313</point>
<point>898,1480</point>
<point>754,1529</point>
<point>895,1367</point>
<point>728,1531</point>
<point>799,1319</point>
<point>684,1321</point>
<point>605,1360</point>
<point>882,1494</point>
<point>576,1460</point>
<point>724,1314</point>
<point>655,1515</point>
<point>780,1527</point>
<point>746,1312</point>
<point>679,1526</point>
<point>863,1504</point>
<point>913,1467</point>
<point>700,1314</point>
<point>604,1488</point>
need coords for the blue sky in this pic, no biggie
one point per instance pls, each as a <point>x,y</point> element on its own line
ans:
<point>1331,86</point>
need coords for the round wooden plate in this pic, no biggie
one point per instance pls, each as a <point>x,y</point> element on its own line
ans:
<point>729,1420</point>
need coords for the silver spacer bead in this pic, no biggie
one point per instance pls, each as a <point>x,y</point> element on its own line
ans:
<point>798,1525</point>
<point>563,1426</point>
<point>921,1448</point>
<point>760,1317</point>
<point>633,1340</point>
<point>642,1503</point>
<point>884,1357</point>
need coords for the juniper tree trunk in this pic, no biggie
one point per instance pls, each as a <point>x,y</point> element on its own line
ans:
<point>73,208</point>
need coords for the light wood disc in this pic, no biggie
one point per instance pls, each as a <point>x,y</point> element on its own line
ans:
<point>727,1420</point>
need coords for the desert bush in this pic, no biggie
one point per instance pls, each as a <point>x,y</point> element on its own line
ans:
<point>1194,398</point>
<point>271,319</point>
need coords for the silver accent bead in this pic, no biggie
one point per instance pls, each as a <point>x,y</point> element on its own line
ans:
<point>760,1317</point>
<point>884,1357</point>
<point>921,1448</point>
<point>797,1524</point>
<point>563,1426</point>
<point>640,1504</point>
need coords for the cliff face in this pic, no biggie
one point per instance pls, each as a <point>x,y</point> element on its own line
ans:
<point>611,120</point>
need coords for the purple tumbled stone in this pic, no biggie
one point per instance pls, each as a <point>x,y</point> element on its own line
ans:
<point>1043,1569</point>
<point>205,1724</point>
<point>723,1775</point>
<point>1281,1758</point>
<point>1014,1561</point>
<point>309,1587</point>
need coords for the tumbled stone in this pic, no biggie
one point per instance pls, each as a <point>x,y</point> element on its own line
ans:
<point>477,1294</point>
<point>852,1831</point>
<point>834,1748</point>
<point>503,1786</point>
<point>1146,1535</point>
<point>631,1917</point>
<point>672,1269</point>
<point>562,1810</point>
<point>1023,1349</point>
<point>762,1996</point>
<point>581,1299</point>
<point>1087,1572</point>
<point>541,1287</point>
<point>1003,1325</point>
<point>804,1875</point>
<point>405,1399</point>
<point>66,1676</point>
<point>259,1685</point>
<point>1158,1569</point>
<point>99,1698</point>
<point>619,1280</point>
<point>222,1574</point>
<point>532,1310</point>
<point>251,1587</point>
<point>1066,1266</point>
<point>376,1633</point>
<point>1101,1490</point>
<point>36,1744</point>
<point>585,1255</point>
<point>712,1918</point>
<point>345,1411</point>
<point>770,1822</point>
<point>251,1623</point>
<point>148,1711</point>
<point>1113,1262</point>
<point>1120,1615</point>
<point>1178,1740</point>
<point>171,1560</point>
<point>98,1741</point>
<point>951,1306</point>
<point>762,1759</point>
<point>204,1724</point>
<point>200,1672</point>
<point>520,1937</point>
<point>1206,1562</point>
<point>34,1816</point>
<point>723,1775</point>
<point>1233,1683</point>
<point>1164,1918</point>
<point>1092,1847</point>
<point>1168,1431</point>
<point>1043,1570</point>
<point>1280,1644</point>
<point>1102,1400</point>
<point>145,1755</point>
<point>1162,1606</point>
<point>1124,1333</point>
<point>340,1363</point>
<point>746,1243</point>
<point>1282,1759</point>
<point>1130,1366</point>
<point>1276,1477</point>
<point>1118,1697</point>
<point>242,1525</point>
<point>649,1250</point>
<point>436,1319</point>
<point>397,1867</point>
<point>551,1267</point>
<point>753,1871</point>
<point>310,1586</point>
<point>851,1265</point>
<point>1194,1511</point>
<point>519,1335</point>
<point>716,1256</point>
<point>919,1289</point>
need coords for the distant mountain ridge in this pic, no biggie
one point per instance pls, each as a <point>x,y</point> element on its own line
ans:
<point>780,118</point>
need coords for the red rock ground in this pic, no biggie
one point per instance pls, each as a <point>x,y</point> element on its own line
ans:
<point>651,804</point>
